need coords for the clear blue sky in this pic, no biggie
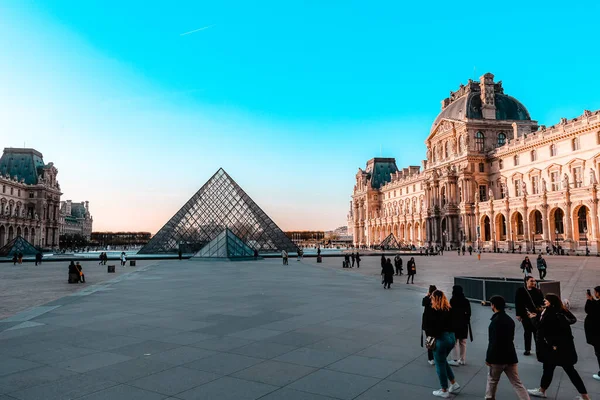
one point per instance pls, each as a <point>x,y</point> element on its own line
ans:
<point>290,97</point>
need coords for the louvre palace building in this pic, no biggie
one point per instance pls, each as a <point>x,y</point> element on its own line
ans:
<point>493,178</point>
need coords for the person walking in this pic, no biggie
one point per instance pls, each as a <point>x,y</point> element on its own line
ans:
<point>38,258</point>
<point>388,274</point>
<point>353,258</point>
<point>501,355</point>
<point>592,324</point>
<point>398,264</point>
<point>284,256</point>
<point>357,260</point>
<point>528,299</point>
<point>426,303</point>
<point>526,267</point>
<point>123,259</point>
<point>463,249</point>
<point>101,258</point>
<point>461,316</point>
<point>411,270</point>
<point>556,347</point>
<point>470,250</point>
<point>20,256</point>
<point>439,327</point>
<point>541,266</point>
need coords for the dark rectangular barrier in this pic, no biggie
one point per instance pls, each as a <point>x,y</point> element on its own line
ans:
<point>483,288</point>
<point>132,263</point>
<point>111,269</point>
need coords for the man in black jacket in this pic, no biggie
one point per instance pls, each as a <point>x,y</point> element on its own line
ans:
<point>528,298</point>
<point>501,355</point>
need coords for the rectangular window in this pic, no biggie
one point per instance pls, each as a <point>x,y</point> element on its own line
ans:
<point>414,188</point>
<point>577,177</point>
<point>11,191</point>
<point>3,188</point>
<point>481,167</point>
<point>518,191</point>
<point>31,195</point>
<point>500,164</point>
<point>535,185</point>
<point>19,193</point>
<point>555,181</point>
<point>482,193</point>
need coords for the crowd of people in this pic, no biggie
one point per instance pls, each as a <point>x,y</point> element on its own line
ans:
<point>545,318</point>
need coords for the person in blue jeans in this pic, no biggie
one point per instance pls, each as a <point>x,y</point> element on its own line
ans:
<point>439,325</point>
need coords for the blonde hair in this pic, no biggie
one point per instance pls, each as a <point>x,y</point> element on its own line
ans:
<point>439,301</point>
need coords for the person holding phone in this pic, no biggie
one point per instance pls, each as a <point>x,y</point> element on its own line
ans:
<point>528,299</point>
<point>592,324</point>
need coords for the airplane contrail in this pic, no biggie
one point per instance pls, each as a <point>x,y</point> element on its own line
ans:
<point>196,30</point>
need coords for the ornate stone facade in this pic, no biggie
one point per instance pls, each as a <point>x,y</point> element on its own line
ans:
<point>29,198</point>
<point>75,219</point>
<point>493,179</point>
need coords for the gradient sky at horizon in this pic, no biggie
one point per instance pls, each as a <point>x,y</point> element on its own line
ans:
<point>290,98</point>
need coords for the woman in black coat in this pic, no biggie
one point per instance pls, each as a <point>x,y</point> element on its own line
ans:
<point>592,324</point>
<point>388,274</point>
<point>426,303</point>
<point>411,270</point>
<point>555,346</point>
<point>461,317</point>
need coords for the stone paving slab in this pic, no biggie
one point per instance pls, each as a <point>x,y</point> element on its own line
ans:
<point>248,330</point>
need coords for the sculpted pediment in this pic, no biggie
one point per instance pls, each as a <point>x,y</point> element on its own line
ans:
<point>444,126</point>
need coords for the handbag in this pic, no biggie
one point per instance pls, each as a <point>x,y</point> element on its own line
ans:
<point>430,343</point>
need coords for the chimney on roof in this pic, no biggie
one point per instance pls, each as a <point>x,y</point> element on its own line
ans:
<point>488,98</point>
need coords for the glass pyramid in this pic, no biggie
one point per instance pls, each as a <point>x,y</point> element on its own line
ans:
<point>389,242</point>
<point>226,245</point>
<point>18,245</point>
<point>218,205</point>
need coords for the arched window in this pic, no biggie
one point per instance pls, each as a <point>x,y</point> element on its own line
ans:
<point>552,150</point>
<point>575,144</point>
<point>533,155</point>
<point>516,160</point>
<point>501,139</point>
<point>445,150</point>
<point>479,141</point>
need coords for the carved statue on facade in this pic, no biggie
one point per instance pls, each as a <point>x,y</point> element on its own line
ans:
<point>429,154</point>
<point>491,194</point>
<point>565,181</point>
<point>592,177</point>
<point>452,144</point>
<point>463,143</point>
<point>544,187</point>
<point>524,188</point>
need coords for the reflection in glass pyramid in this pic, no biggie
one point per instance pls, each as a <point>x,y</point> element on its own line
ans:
<point>16,246</point>
<point>219,204</point>
<point>390,242</point>
<point>226,245</point>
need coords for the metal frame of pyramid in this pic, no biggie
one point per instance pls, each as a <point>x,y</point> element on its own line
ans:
<point>226,246</point>
<point>220,203</point>
<point>18,245</point>
<point>390,242</point>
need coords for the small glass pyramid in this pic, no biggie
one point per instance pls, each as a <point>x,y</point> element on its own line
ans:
<point>16,246</point>
<point>389,242</point>
<point>226,245</point>
<point>219,204</point>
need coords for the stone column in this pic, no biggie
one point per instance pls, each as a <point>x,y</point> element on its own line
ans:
<point>545,225</point>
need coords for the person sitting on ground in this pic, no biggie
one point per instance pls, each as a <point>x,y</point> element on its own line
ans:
<point>73,273</point>
<point>80,271</point>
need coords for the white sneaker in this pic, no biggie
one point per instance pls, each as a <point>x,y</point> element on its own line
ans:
<point>431,362</point>
<point>454,363</point>
<point>441,393</point>
<point>462,362</point>
<point>455,387</point>
<point>596,377</point>
<point>536,392</point>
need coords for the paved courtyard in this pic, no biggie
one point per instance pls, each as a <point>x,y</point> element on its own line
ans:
<point>247,330</point>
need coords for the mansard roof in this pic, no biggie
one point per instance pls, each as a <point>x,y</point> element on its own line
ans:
<point>25,164</point>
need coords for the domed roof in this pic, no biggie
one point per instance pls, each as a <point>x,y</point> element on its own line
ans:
<point>469,106</point>
<point>466,103</point>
